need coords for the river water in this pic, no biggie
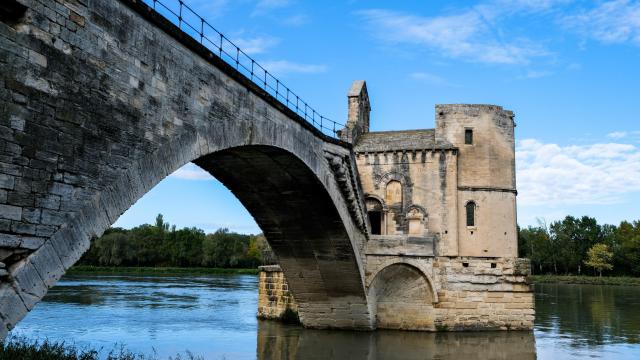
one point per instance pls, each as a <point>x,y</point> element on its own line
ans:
<point>214,316</point>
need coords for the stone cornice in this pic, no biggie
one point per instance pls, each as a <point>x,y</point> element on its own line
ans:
<point>454,150</point>
<point>493,189</point>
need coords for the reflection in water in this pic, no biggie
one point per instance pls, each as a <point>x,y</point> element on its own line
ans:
<point>214,316</point>
<point>276,341</point>
<point>594,315</point>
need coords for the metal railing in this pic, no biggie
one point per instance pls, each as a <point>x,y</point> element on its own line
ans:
<point>184,17</point>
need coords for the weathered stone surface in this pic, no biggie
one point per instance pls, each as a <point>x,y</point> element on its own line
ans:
<point>274,297</point>
<point>94,117</point>
<point>434,294</point>
<point>12,308</point>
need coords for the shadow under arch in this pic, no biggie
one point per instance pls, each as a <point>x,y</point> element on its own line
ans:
<point>302,214</point>
<point>298,217</point>
<point>401,296</point>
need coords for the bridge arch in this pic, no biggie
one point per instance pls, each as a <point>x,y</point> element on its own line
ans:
<point>401,296</point>
<point>101,149</point>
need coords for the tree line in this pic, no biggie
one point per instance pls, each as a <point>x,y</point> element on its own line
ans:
<point>161,244</point>
<point>577,246</point>
<point>581,246</point>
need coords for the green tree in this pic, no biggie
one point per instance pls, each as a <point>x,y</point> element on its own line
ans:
<point>599,258</point>
<point>627,239</point>
<point>161,244</point>
<point>573,237</point>
<point>535,244</point>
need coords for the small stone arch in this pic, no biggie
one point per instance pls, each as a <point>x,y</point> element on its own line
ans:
<point>378,198</point>
<point>391,176</point>
<point>419,208</point>
<point>420,266</point>
<point>401,297</point>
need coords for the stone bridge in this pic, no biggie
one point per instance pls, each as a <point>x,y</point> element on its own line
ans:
<point>102,99</point>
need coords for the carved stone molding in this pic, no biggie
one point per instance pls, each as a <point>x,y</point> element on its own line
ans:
<point>345,176</point>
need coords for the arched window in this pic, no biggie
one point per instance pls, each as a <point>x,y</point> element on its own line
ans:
<point>394,193</point>
<point>471,213</point>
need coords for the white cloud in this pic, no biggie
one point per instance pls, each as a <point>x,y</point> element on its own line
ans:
<point>191,171</point>
<point>550,174</point>
<point>208,8</point>
<point>468,34</point>
<point>529,5</point>
<point>282,67</point>
<point>616,21</point>
<point>632,136</point>
<point>536,74</point>
<point>430,78</point>
<point>618,134</point>
<point>256,45</point>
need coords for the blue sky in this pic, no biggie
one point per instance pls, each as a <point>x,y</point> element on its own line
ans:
<point>569,70</point>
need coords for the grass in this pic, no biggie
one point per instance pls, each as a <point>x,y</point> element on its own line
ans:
<point>85,269</point>
<point>592,280</point>
<point>18,348</point>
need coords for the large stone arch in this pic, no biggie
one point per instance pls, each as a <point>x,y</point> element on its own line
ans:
<point>401,296</point>
<point>95,120</point>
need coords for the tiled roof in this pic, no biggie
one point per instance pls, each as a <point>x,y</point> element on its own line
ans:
<point>399,140</point>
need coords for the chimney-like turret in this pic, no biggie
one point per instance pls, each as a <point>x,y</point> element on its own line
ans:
<point>359,110</point>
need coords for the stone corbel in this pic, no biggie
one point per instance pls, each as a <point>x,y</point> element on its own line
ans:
<point>348,184</point>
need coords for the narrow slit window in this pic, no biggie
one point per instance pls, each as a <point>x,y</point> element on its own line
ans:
<point>471,213</point>
<point>468,136</point>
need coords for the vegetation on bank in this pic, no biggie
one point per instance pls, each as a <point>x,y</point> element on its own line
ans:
<point>581,246</point>
<point>589,280</point>
<point>572,246</point>
<point>102,270</point>
<point>22,348</point>
<point>163,246</point>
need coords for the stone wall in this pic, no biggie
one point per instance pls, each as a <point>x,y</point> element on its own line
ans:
<point>436,293</point>
<point>486,176</point>
<point>101,100</point>
<point>274,296</point>
<point>487,294</point>
<point>470,293</point>
<point>426,179</point>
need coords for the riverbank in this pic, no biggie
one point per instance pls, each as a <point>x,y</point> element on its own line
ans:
<point>589,280</point>
<point>23,348</point>
<point>87,270</point>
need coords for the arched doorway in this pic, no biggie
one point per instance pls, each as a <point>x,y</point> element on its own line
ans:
<point>375,212</point>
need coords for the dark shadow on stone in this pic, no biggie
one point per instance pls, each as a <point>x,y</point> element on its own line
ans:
<point>11,12</point>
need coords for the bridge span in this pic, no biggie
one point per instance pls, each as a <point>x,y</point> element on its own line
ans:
<point>100,100</point>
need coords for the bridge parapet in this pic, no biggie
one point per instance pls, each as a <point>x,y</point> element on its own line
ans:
<point>190,23</point>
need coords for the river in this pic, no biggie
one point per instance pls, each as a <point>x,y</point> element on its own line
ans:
<point>214,316</point>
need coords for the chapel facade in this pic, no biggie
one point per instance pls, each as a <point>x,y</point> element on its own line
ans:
<point>441,252</point>
<point>447,191</point>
